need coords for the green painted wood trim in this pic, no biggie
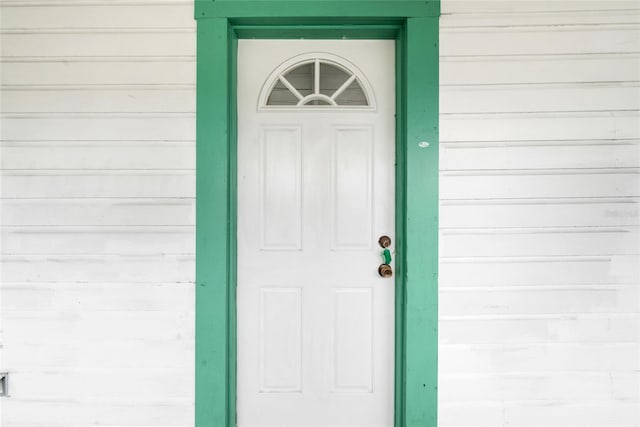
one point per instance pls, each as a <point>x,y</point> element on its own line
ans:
<point>421,223</point>
<point>416,215</point>
<point>233,228</point>
<point>213,233</point>
<point>321,8</point>
<point>399,383</point>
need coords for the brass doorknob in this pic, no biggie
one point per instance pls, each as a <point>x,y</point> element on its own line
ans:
<point>385,270</point>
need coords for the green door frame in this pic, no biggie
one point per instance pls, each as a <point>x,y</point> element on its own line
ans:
<point>414,26</point>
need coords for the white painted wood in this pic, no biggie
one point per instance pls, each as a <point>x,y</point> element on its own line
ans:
<point>536,41</point>
<point>538,299</point>
<point>541,126</point>
<point>109,155</point>
<point>73,183</point>
<point>563,241</point>
<point>99,268</point>
<point>538,69</point>
<point>99,127</point>
<point>536,329</point>
<point>549,356</point>
<point>477,7</point>
<point>548,19</point>
<point>540,155</point>
<point>536,212</point>
<point>101,98</point>
<point>539,98</point>
<point>541,413</point>
<point>536,270</point>
<point>135,240</point>
<point>96,325</point>
<point>143,297</point>
<point>23,15</point>
<point>315,191</point>
<point>156,42</point>
<point>85,70</point>
<point>99,212</point>
<point>503,184</point>
<point>90,411</point>
<point>594,385</point>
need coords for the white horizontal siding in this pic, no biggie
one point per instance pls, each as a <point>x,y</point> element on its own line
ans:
<point>100,127</point>
<point>62,413</point>
<point>99,212</point>
<point>467,7</point>
<point>97,98</point>
<point>88,71</point>
<point>540,194</point>
<point>98,147</point>
<point>119,43</point>
<point>95,155</point>
<point>570,97</point>
<point>112,15</point>
<point>540,186</point>
<point>103,268</point>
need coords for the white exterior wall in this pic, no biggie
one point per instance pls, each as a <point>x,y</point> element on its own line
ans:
<point>98,132</point>
<point>540,191</point>
<point>540,275</point>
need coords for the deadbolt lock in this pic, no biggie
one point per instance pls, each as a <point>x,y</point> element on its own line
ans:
<point>384,241</point>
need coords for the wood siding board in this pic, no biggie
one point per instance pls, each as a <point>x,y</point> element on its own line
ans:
<point>536,6</point>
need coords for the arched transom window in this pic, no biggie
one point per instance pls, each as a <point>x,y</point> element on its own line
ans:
<point>316,82</point>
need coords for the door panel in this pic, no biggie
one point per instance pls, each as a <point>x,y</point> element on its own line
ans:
<point>351,186</point>
<point>315,191</point>
<point>281,187</point>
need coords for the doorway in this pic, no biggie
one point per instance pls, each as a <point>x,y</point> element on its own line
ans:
<point>413,27</point>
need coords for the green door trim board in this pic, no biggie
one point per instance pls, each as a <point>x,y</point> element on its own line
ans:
<point>414,26</point>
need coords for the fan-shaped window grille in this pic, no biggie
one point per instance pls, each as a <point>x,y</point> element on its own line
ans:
<point>317,82</point>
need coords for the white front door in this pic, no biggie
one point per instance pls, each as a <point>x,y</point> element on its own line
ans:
<point>316,155</point>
